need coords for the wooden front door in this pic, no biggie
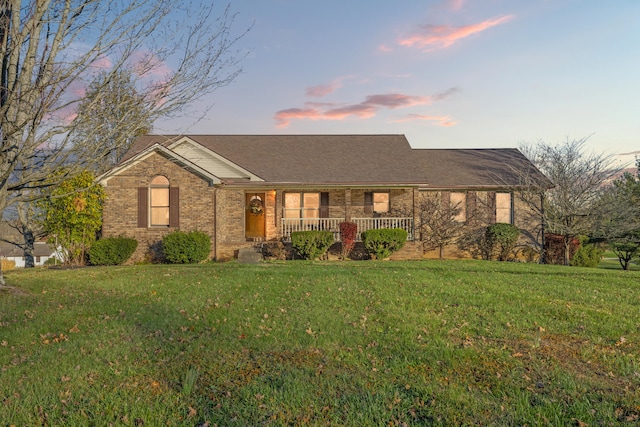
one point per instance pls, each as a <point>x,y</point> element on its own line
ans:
<point>254,215</point>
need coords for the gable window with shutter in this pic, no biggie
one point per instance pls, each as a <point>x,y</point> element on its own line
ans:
<point>158,204</point>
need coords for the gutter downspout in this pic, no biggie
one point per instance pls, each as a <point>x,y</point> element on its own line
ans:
<point>215,223</point>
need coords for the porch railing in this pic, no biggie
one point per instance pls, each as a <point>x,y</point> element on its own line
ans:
<point>290,225</point>
<point>365,224</point>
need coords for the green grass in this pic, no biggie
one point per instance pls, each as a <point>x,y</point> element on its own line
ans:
<point>301,343</point>
<point>610,261</point>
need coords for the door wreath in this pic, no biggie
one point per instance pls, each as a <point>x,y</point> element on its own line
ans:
<point>256,207</point>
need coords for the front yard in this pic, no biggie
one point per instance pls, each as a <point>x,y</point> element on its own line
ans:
<point>344,343</point>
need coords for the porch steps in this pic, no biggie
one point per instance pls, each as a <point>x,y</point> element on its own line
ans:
<point>251,255</point>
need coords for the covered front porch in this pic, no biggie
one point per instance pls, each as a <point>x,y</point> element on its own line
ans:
<point>289,225</point>
<point>276,213</point>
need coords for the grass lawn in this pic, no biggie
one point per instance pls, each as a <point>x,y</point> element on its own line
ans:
<point>610,261</point>
<point>300,343</point>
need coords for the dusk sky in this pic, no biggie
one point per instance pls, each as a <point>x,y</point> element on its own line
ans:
<point>446,73</point>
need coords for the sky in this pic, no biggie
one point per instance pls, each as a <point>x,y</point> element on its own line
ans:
<point>445,73</point>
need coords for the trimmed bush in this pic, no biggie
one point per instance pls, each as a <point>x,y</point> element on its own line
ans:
<point>587,255</point>
<point>502,238</point>
<point>180,247</point>
<point>382,242</point>
<point>348,232</point>
<point>112,250</point>
<point>311,244</point>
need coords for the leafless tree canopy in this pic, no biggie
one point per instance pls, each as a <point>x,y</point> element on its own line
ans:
<point>176,52</point>
<point>572,207</point>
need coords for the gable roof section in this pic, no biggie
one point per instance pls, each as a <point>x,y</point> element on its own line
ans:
<point>355,160</point>
<point>130,161</point>
<point>477,168</point>
<point>210,160</point>
<point>310,159</point>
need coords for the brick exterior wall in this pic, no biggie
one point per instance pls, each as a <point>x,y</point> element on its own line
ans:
<point>220,211</point>
<point>524,218</point>
<point>120,217</point>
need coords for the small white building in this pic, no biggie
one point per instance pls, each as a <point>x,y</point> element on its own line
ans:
<point>41,253</point>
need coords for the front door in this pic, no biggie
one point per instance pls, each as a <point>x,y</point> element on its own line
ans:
<point>254,215</point>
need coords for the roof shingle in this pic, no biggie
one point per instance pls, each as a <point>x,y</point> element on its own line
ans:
<point>373,159</point>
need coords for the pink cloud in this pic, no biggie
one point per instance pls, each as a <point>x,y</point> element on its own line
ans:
<point>325,89</point>
<point>395,100</point>
<point>148,66</point>
<point>431,37</point>
<point>384,48</point>
<point>442,120</point>
<point>455,5</point>
<point>363,110</point>
<point>102,63</point>
<point>443,95</point>
<point>284,117</point>
<point>322,90</point>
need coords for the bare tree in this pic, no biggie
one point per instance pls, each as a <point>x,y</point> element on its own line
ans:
<point>439,224</point>
<point>113,114</point>
<point>572,207</point>
<point>177,52</point>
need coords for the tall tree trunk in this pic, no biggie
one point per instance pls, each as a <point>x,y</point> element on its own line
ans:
<point>567,249</point>
<point>29,246</point>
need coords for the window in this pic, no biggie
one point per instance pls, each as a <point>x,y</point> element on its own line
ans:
<point>376,202</point>
<point>458,203</point>
<point>504,210</point>
<point>159,201</point>
<point>380,202</point>
<point>306,205</point>
<point>158,204</point>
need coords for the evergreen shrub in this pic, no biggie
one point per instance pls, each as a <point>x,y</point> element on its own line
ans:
<point>587,255</point>
<point>112,250</point>
<point>502,238</point>
<point>382,242</point>
<point>311,244</point>
<point>181,247</point>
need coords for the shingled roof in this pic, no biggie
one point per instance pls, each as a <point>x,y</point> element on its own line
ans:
<point>477,168</point>
<point>359,159</point>
<point>309,158</point>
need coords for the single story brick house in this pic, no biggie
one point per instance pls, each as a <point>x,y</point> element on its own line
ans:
<point>245,189</point>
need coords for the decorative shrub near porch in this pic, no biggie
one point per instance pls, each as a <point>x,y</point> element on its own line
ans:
<point>348,234</point>
<point>186,248</point>
<point>311,244</point>
<point>382,242</point>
